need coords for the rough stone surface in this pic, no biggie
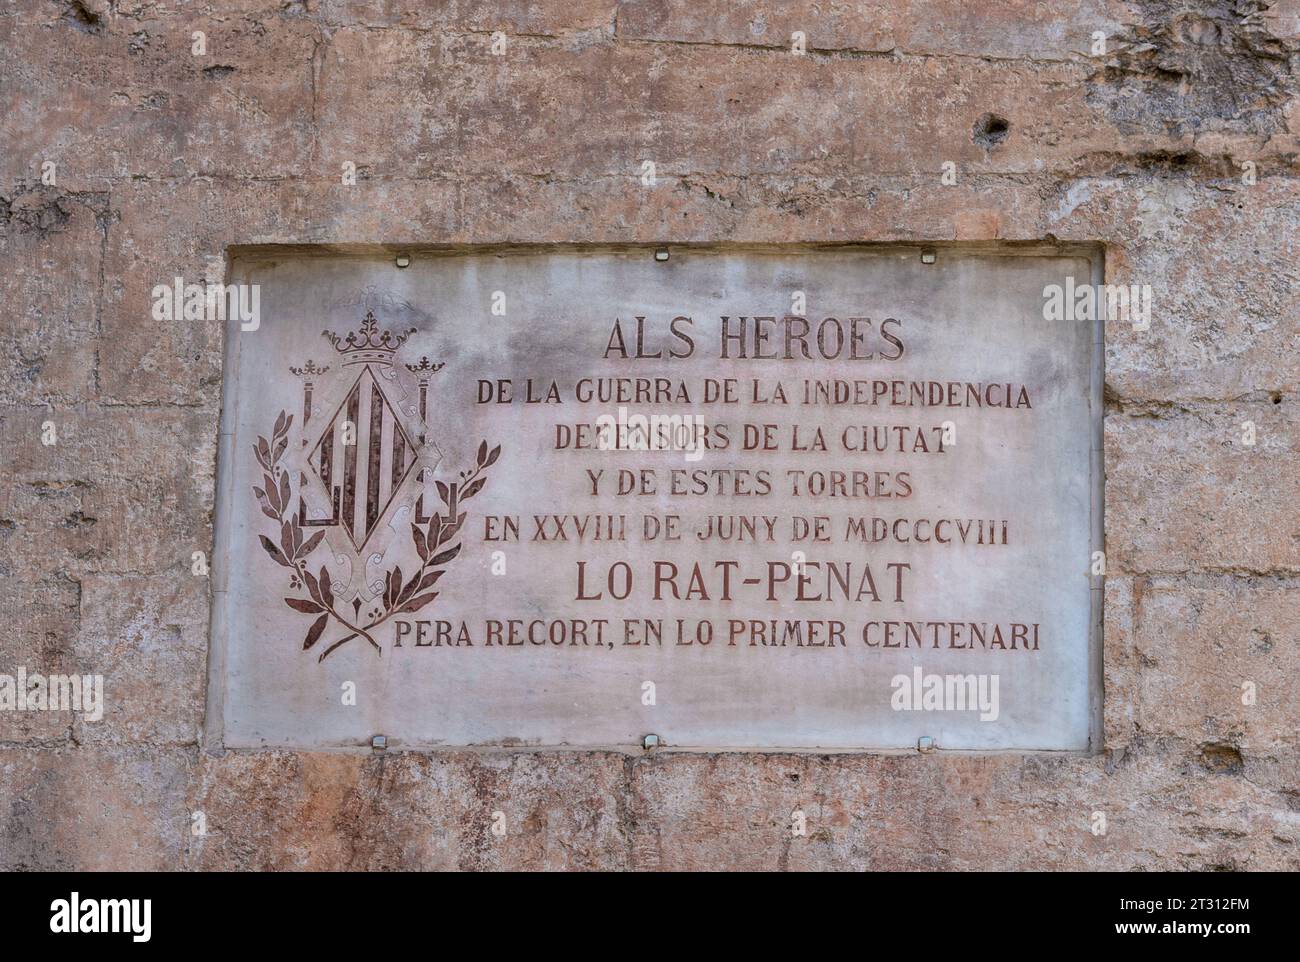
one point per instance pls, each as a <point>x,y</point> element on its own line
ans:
<point>164,159</point>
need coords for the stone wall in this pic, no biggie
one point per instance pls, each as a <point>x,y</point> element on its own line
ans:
<point>165,159</point>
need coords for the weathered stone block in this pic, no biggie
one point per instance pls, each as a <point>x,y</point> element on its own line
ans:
<point>93,810</point>
<point>52,245</point>
<point>147,637</point>
<point>1217,662</point>
<point>1185,492</point>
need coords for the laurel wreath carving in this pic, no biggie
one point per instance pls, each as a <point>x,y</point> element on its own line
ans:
<point>435,543</point>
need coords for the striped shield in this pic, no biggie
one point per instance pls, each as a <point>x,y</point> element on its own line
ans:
<point>363,476</point>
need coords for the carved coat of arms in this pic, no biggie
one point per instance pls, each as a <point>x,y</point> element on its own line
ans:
<point>363,470</point>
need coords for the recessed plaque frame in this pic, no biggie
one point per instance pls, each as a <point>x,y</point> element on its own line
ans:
<point>406,460</point>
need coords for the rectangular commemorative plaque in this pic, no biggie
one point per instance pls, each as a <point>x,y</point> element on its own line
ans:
<point>773,498</point>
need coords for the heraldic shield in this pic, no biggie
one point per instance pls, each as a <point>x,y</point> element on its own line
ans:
<point>354,481</point>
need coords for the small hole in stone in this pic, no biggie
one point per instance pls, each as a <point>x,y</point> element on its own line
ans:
<point>83,18</point>
<point>1277,397</point>
<point>991,130</point>
<point>1221,759</point>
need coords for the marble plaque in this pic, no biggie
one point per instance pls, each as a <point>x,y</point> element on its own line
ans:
<point>772,498</point>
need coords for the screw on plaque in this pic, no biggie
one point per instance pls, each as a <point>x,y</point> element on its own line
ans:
<point>650,742</point>
<point>661,254</point>
<point>928,256</point>
<point>379,743</point>
<point>403,260</point>
<point>925,744</point>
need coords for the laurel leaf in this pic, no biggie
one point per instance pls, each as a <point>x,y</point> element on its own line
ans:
<point>443,557</point>
<point>313,635</point>
<point>393,584</point>
<point>492,458</point>
<point>473,489</point>
<point>482,453</point>
<point>311,544</point>
<point>421,545</point>
<point>273,551</point>
<point>410,588</point>
<point>313,586</point>
<point>444,492</point>
<point>415,604</point>
<point>430,579</point>
<point>326,589</point>
<point>397,584</point>
<point>272,493</point>
<point>303,605</point>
